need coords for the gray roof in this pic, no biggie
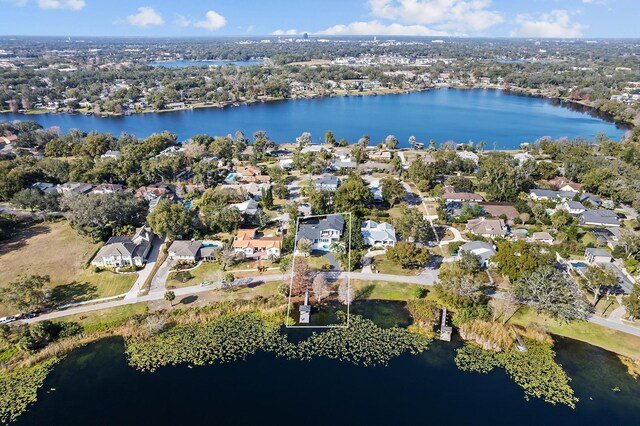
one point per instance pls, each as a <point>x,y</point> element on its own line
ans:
<point>575,205</point>
<point>548,193</point>
<point>311,229</point>
<point>378,231</point>
<point>481,249</point>
<point>185,248</point>
<point>600,216</point>
<point>598,252</point>
<point>135,246</point>
<point>326,180</point>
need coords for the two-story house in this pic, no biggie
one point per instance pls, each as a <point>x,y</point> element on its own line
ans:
<point>321,232</point>
<point>125,251</point>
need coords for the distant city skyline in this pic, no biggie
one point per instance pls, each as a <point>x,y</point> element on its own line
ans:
<point>193,18</point>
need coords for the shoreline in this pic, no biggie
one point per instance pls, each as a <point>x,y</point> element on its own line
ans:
<point>514,90</point>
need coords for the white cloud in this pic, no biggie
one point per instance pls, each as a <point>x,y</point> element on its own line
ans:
<point>183,21</point>
<point>458,15</point>
<point>212,21</point>
<point>556,23</point>
<point>285,32</point>
<point>145,17</point>
<point>379,28</point>
<point>59,4</point>
<point>18,3</point>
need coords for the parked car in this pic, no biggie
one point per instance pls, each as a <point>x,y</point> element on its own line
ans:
<point>7,320</point>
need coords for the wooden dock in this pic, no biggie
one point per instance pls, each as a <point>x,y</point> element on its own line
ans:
<point>445,330</point>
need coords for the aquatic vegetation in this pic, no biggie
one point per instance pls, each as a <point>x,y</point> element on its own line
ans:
<point>19,388</point>
<point>237,335</point>
<point>535,370</point>
<point>488,335</point>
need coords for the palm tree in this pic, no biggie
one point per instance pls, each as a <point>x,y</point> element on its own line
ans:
<point>170,297</point>
<point>412,140</point>
<point>338,248</point>
<point>481,145</point>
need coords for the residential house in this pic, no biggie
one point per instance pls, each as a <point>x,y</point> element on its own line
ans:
<point>468,155</point>
<point>498,209</point>
<point>321,231</point>
<point>77,188</point>
<point>125,251</point>
<point>599,217</point>
<point>488,228</point>
<point>286,163</point>
<point>376,191</point>
<point>111,154</point>
<point>254,247</point>
<point>597,256</point>
<point>185,250</point>
<point>462,196</point>
<point>155,190</point>
<point>249,207</point>
<point>344,165</point>
<point>326,183</point>
<point>378,234</point>
<point>8,138</point>
<point>607,236</point>
<point>371,166</point>
<point>592,200</point>
<point>542,237</point>
<point>484,251</point>
<point>521,157</point>
<point>380,155</point>
<point>548,194</point>
<point>573,207</point>
<point>564,184</point>
<point>45,187</point>
<point>107,188</point>
<point>316,149</point>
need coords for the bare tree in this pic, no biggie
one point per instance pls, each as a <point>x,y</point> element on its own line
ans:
<point>503,308</point>
<point>302,279</point>
<point>320,288</point>
<point>345,293</point>
<point>304,246</point>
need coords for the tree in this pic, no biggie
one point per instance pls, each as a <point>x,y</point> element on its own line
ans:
<point>412,141</point>
<point>560,218</point>
<point>171,219</point>
<point>27,293</point>
<point>517,259</point>
<point>599,280</point>
<point>392,190</point>
<point>632,302</point>
<point>320,288</point>
<point>170,297</point>
<point>550,291</point>
<point>411,225</point>
<point>352,194</point>
<point>421,173</point>
<point>408,255</point>
<point>97,215</point>
<point>631,242</point>
<point>320,201</point>
<point>304,246</point>
<point>33,199</point>
<point>301,277</point>
<point>345,293</point>
<point>391,141</point>
<point>229,277</point>
<point>329,138</point>
<point>469,263</point>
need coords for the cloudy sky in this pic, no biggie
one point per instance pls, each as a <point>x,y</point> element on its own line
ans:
<point>175,18</point>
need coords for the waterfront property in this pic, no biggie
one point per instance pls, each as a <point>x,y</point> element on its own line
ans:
<point>321,232</point>
<point>247,242</point>
<point>125,251</point>
<point>378,235</point>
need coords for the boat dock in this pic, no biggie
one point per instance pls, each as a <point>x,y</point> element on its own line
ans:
<point>445,330</point>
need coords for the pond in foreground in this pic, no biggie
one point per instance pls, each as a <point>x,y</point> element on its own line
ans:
<point>95,385</point>
<point>441,114</point>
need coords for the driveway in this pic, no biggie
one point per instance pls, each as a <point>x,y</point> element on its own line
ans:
<point>335,265</point>
<point>148,268</point>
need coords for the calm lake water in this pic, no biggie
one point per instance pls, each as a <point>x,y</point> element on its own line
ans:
<point>182,64</point>
<point>96,386</point>
<point>442,114</point>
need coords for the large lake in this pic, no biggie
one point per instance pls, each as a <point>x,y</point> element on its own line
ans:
<point>441,114</point>
<point>96,386</point>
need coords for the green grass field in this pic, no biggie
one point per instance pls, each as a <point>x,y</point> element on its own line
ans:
<point>107,318</point>
<point>56,250</point>
<point>385,266</point>
<point>370,290</point>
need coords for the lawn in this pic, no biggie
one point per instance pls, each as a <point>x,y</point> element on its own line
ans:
<point>56,250</point>
<point>385,266</point>
<point>614,341</point>
<point>317,262</point>
<point>382,290</point>
<point>107,318</point>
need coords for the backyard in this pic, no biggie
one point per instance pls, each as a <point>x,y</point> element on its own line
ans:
<point>56,250</point>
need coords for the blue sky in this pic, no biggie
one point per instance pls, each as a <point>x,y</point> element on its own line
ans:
<point>176,18</point>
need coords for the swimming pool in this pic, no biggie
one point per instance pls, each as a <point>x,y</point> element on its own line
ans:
<point>578,264</point>
<point>212,243</point>
<point>231,178</point>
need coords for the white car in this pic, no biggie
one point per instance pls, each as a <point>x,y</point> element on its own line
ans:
<point>7,320</point>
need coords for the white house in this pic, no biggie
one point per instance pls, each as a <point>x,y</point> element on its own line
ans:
<point>125,251</point>
<point>573,207</point>
<point>378,234</point>
<point>321,232</point>
<point>481,249</point>
<point>286,163</point>
<point>468,155</point>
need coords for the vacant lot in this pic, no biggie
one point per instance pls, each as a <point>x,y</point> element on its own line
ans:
<point>56,250</point>
<point>386,266</point>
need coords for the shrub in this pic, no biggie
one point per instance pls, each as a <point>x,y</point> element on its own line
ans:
<point>183,276</point>
<point>420,292</point>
